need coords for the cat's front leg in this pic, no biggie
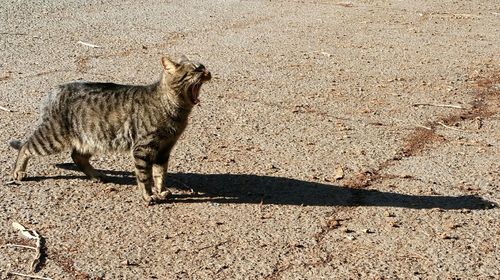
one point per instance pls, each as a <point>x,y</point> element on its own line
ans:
<point>143,171</point>
<point>159,175</point>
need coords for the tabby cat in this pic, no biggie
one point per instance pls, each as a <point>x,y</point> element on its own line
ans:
<point>89,117</point>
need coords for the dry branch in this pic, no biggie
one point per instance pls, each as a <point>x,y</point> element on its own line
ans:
<point>6,109</point>
<point>423,126</point>
<point>21,246</point>
<point>11,182</point>
<point>439,105</point>
<point>89,44</point>
<point>450,127</point>
<point>28,276</point>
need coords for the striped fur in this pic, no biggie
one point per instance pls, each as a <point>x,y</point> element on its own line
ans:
<point>88,118</point>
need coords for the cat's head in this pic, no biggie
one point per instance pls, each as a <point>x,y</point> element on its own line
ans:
<point>185,77</point>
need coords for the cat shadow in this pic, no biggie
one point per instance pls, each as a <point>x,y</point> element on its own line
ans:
<point>125,178</point>
<point>248,188</point>
<point>256,189</point>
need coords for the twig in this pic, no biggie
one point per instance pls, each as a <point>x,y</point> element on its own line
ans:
<point>426,127</point>
<point>11,182</point>
<point>450,127</point>
<point>438,105</point>
<point>28,276</point>
<point>21,246</point>
<point>6,109</point>
<point>88,44</point>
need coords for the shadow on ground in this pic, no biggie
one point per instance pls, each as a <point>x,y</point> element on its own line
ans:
<point>247,188</point>
<point>243,188</point>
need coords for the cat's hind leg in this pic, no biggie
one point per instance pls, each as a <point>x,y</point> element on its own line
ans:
<point>44,141</point>
<point>83,162</point>
<point>23,156</point>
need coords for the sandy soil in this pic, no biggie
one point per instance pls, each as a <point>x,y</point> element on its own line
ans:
<point>303,91</point>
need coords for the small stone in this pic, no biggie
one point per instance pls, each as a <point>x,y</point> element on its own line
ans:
<point>389,214</point>
<point>339,173</point>
<point>333,223</point>
<point>394,224</point>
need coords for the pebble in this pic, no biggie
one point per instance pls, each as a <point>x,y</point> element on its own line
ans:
<point>389,214</point>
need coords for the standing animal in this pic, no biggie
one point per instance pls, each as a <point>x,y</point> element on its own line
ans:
<point>91,117</point>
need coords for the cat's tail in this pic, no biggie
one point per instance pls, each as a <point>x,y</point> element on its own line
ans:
<point>16,144</point>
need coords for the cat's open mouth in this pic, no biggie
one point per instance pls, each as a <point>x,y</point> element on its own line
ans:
<point>194,90</point>
<point>194,93</point>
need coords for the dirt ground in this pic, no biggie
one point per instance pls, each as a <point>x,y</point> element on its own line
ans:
<point>337,140</point>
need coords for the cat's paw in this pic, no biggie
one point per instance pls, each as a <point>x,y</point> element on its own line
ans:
<point>148,199</point>
<point>99,178</point>
<point>156,198</point>
<point>162,196</point>
<point>18,175</point>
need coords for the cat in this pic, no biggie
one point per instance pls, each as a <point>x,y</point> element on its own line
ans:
<point>91,117</point>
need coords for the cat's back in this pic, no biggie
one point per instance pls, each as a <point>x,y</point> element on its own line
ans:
<point>85,92</point>
<point>82,88</point>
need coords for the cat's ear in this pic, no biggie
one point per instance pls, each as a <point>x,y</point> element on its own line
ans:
<point>169,65</point>
<point>183,59</point>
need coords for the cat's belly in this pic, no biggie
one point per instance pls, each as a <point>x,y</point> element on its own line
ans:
<point>91,145</point>
<point>104,141</point>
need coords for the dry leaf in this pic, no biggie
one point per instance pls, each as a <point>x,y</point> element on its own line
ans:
<point>25,232</point>
<point>31,234</point>
<point>18,226</point>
